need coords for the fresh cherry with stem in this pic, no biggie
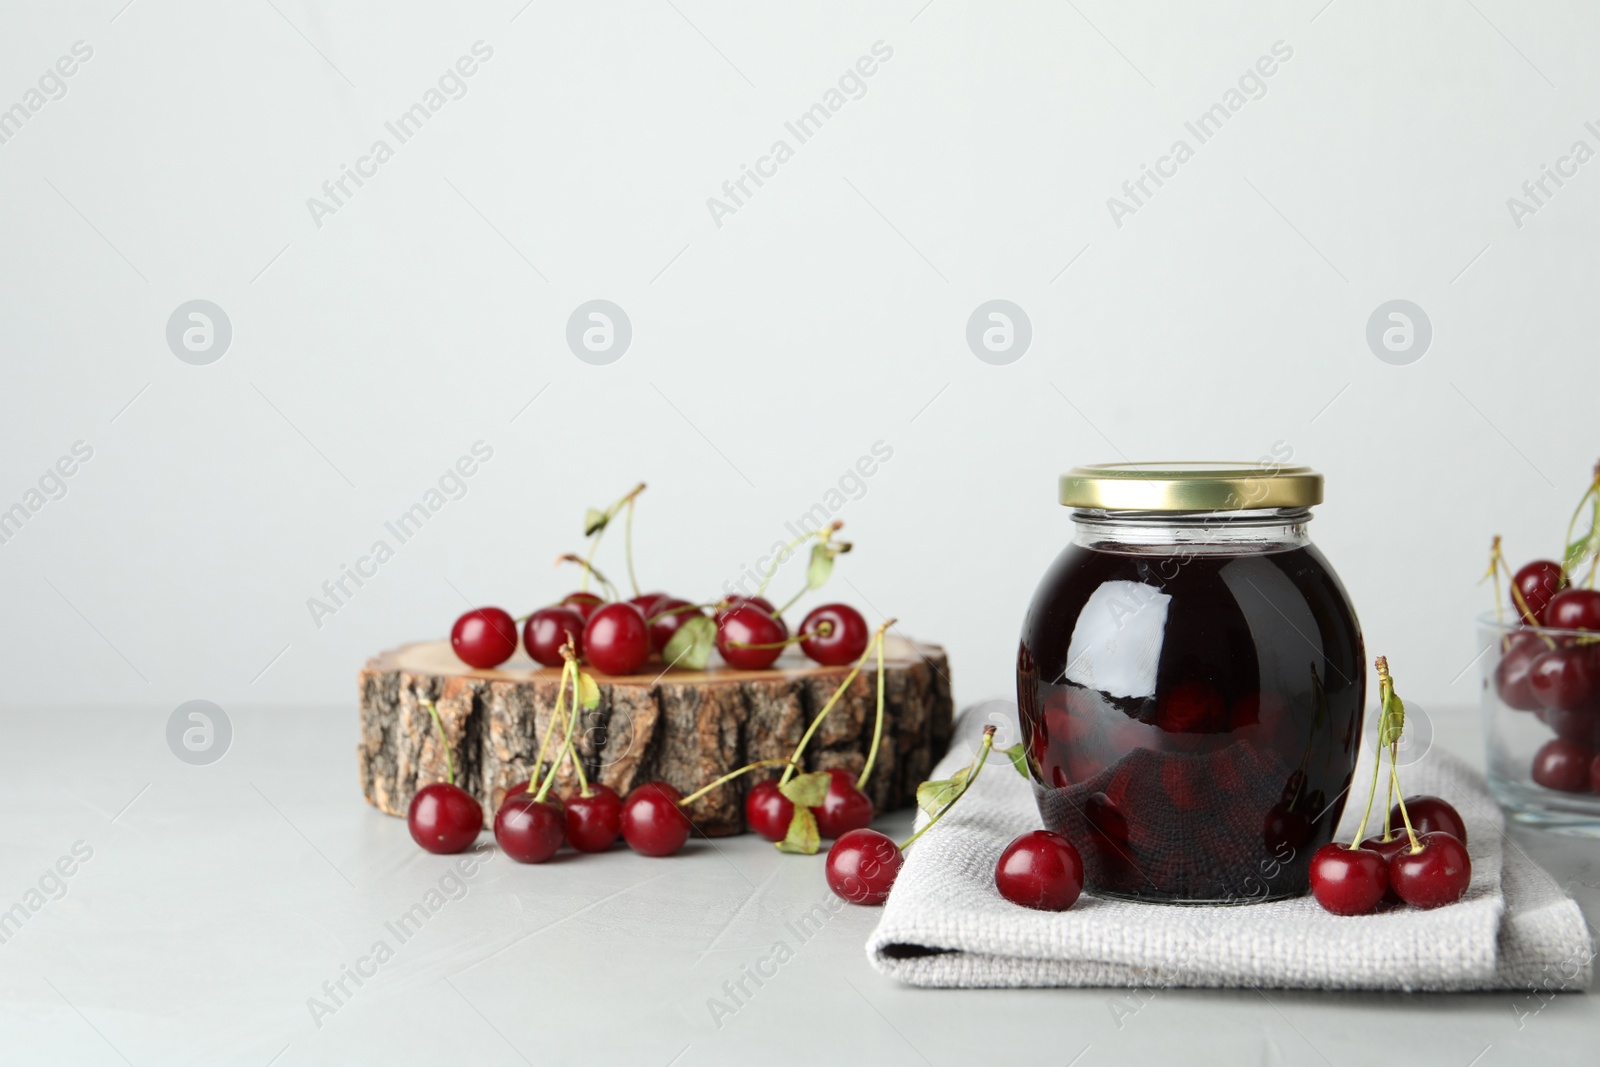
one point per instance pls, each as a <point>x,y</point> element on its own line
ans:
<point>846,806</point>
<point>1433,872</point>
<point>616,639</point>
<point>443,818</point>
<point>1348,880</point>
<point>585,604</point>
<point>548,629</point>
<point>653,822</point>
<point>1574,609</point>
<point>1429,813</point>
<point>484,637</point>
<point>528,827</point>
<point>834,634</point>
<point>749,638</point>
<point>1430,869</point>
<point>593,816</point>
<point>767,811</point>
<point>1534,586</point>
<point>862,864</point>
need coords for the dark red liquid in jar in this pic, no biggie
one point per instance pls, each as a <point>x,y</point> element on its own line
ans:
<point>1192,717</point>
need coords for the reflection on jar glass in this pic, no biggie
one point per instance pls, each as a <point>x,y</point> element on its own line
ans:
<point>1190,683</point>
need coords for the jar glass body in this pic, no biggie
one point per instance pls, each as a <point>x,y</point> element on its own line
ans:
<point>1190,686</point>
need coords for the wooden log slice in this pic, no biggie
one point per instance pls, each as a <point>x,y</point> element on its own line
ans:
<point>684,727</point>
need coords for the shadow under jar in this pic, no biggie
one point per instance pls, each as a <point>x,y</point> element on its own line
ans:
<point>1190,683</point>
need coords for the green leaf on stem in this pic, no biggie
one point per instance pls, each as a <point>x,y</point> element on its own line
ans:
<point>807,790</point>
<point>821,566</point>
<point>588,691</point>
<point>933,796</point>
<point>594,520</point>
<point>803,837</point>
<point>1391,720</point>
<point>691,646</point>
<point>1018,755</point>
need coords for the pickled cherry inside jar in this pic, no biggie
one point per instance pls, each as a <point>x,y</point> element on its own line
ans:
<point>1190,682</point>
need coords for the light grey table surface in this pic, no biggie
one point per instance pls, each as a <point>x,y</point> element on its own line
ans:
<point>217,901</point>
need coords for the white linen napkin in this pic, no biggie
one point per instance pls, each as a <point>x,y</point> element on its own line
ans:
<point>945,924</point>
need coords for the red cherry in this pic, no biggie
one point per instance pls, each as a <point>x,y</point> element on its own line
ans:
<point>862,866</point>
<point>1348,881</point>
<point>1040,870</point>
<point>444,818</point>
<point>1594,775</point>
<point>594,821</point>
<point>1437,875</point>
<point>652,822</point>
<point>1388,850</point>
<point>1574,609</point>
<point>484,637</point>
<point>1191,707</point>
<point>836,634</point>
<point>746,625</point>
<point>767,811</point>
<point>584,604</point>
<point>1563,765</point>
<point>1581,726</point>
<point>646,603</point>
<point>729,603</point>
<point>1538,582</point>
<point>528,830</point>
<point>665,618</point>
<point>1430,813</point>
<point>845,808</point>
<point>547,630</point>
<point>616,640</point>
<point>1565,678</point>
<point>522,787</point>
<point>1512,673</point>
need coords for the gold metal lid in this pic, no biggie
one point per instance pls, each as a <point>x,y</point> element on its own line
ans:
<point>1189,486</point>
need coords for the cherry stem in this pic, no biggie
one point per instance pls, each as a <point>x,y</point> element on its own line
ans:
<point>794,599</point>
<point>449,764</point>
<point>681,609</point>
<point>972,776</point>
<point>1572,523</point>
<point>730,776</point>
<point>627,541</point>
<point>785,643</point>
<point>544,746</point>
<point>610,513</point>
<point>788,550</point>
<point>572,752</point>
<point>588,569</point>
<point>877,725</point>
<point>1493,577</point>
<point>1372,794</point>
<point>572,720</point>
<point>1521,602</point>
<point>1394,781</point>
<point>794,761</point>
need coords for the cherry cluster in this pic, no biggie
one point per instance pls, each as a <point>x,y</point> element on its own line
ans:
<point>1550,664</point>
<point>795,810</point>
<point>618,637</point>
<point>1427,866</point>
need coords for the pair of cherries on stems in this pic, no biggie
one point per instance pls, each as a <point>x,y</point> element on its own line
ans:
<point>1426,867</point>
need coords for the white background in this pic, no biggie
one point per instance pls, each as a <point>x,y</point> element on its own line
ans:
<point>1225,317</point>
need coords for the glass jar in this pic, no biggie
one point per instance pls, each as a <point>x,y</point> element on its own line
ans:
<point>1190,682</point>
<point>1542,742</point>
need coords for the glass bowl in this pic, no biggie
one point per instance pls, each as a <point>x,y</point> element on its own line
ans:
<point>1542,740</point>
